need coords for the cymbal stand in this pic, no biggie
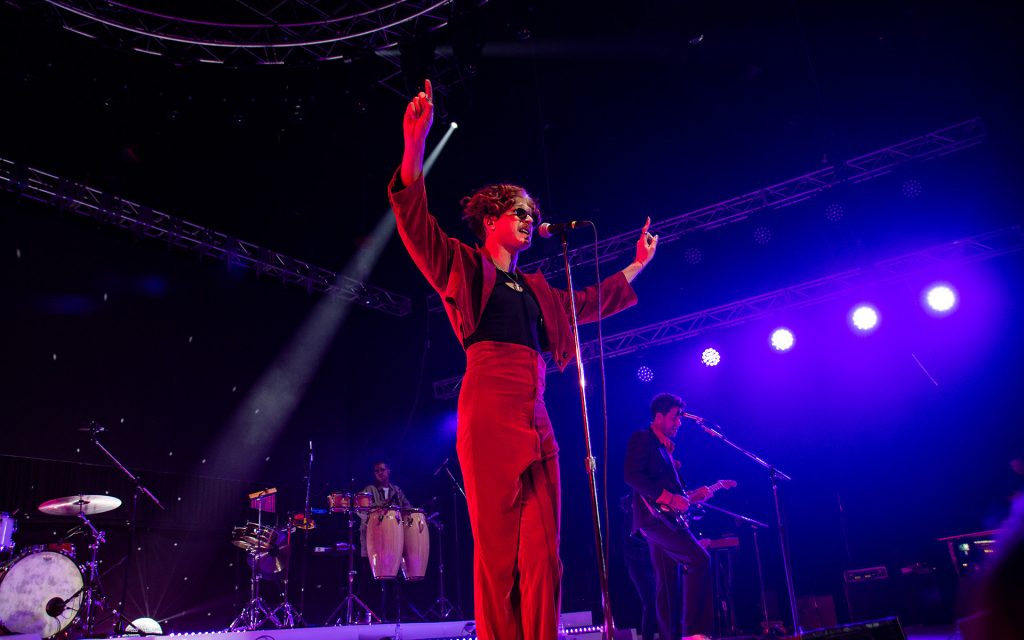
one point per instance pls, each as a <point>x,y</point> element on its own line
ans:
<point>355,609</point>
<point>442,607</point>
<point>255,613</point>
<point>289,616</point>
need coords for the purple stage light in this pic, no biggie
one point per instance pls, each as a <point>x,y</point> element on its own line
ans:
<point>710,357</point>
<point>782,339</point>
<point>864,318</point>
<point>940,298</point>
<point>645,374</point>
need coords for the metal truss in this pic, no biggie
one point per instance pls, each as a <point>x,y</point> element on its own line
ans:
<point>255,31</point>
<point>862,168</point>
<point>68,195</point>
<point>972,249</point>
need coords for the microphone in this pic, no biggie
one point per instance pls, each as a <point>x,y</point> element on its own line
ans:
<point>693,417</point>
<point>441,468</point>
<point>548,229</point>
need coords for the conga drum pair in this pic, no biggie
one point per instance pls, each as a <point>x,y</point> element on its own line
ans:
<point>397,538</point>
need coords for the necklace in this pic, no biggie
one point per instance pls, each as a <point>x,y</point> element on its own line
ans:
<point>513,282</point>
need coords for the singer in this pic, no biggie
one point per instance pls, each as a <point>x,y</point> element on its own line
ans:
<point>505,320</point>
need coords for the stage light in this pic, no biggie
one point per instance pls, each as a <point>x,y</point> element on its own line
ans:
<point>864,318</point>
<point>940,298</point>
<point>144,626</point>
<point>454,125</point>
<point>782,339</point>
<point>645,374</point>
<point>710,357</point>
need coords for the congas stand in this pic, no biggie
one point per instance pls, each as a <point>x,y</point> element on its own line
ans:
<point>355,609</point>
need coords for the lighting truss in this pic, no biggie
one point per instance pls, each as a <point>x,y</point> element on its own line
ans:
<point>972,249</point>
<point>68,195</point>
<point>855,170</point>
<point>860,169</point>
<point>256,31</point>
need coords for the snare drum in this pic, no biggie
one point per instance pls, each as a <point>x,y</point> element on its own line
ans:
<point>8,526</point>
<point>66,548</point>
<point>339,501</point>
<point>253,536</point>
<point>363,500</point>
<point>416,536</point>
<point>384,541</point>
<point>40,593</point>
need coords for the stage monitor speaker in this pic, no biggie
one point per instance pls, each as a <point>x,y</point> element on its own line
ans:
<point>816,612</point>
<point>869,594</point>
<point>885,629</point>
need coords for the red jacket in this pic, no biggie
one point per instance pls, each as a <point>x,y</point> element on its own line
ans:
<point>464,276</point>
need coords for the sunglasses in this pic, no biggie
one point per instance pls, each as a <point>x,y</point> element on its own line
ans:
<point>522,214</point>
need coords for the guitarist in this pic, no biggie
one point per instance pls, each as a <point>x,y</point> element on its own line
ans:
<point>658,495</point>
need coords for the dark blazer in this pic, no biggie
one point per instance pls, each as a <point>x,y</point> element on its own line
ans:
<point>649,471</point>
<point>464,277</point>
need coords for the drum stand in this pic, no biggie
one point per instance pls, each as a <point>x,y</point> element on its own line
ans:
<point>355,609</point>
<point>256,612</point>
<point>442,607</point>
<point>286,614</point>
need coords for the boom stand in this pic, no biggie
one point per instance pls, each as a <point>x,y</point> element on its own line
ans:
<point>774,476</point>
<point>591,462</point>
<point>442,607</point>
<point>94,431</point>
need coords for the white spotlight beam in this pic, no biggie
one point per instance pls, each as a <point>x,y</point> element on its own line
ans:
<point>972,249</point>
<point>263,414</point>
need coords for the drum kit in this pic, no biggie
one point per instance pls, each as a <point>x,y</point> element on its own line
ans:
<point>43,590</point>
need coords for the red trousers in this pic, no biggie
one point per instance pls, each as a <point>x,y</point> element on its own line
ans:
<point>509,460</point>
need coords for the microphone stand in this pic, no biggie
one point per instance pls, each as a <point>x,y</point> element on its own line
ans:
<point>94,431</point>
<point>456,490</point>
<point>774,476</point>
<point>591,462</point>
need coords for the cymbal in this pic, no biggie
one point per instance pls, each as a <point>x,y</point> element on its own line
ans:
<point>82,503</point>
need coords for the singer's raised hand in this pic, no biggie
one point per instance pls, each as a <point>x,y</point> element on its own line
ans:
<point>419,116</point>
<point>645,248</point>
<point>646,245</point>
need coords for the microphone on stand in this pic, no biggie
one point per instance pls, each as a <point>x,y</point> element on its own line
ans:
<point>92,427</point>
<point>549,229</point>
<point>443,464</point>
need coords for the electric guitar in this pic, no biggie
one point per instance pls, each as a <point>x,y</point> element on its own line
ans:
<point>681,519</point>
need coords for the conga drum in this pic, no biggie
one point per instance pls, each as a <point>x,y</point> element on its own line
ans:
<point>384,542</point>
<point>417,544</point>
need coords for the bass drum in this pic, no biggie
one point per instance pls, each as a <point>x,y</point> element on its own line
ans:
<point>40,593</point>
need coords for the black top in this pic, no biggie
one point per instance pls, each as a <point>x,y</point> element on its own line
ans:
<point>511,316</point>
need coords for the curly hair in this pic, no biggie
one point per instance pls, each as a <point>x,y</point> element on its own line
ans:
<point>493,200</point>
